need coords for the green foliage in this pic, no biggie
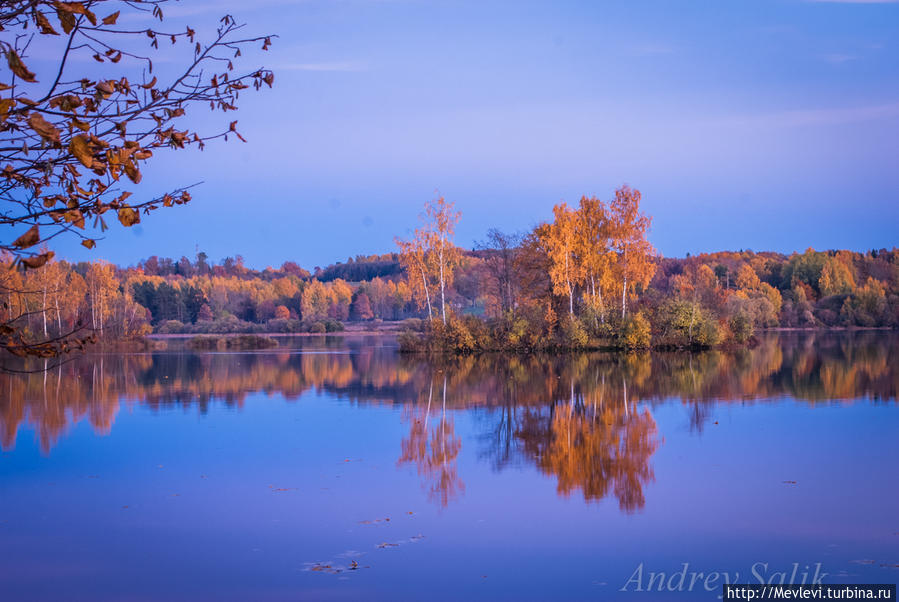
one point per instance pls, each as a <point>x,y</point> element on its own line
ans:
<point>740,328</point>
<point>635,332</point>
<point>572,334</point>
<point>687,324</point>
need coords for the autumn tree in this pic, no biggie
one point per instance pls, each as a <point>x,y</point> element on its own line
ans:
<point>560,240</point>
<point>75,138</point>
<point>360,309</point>
<point>634,265</point>
<point>501,259</point>
<point>430,257</point>
<point>414,259</point>
<point>441,224</point>
<point>592,247</point>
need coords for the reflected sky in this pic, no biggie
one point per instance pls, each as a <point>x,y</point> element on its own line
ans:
<point>302,473</point>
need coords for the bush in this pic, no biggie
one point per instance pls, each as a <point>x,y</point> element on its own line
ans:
<point>250,341</point>
<point>413,324</point>
<point>740,328</point>
<point>686,324</point>
<point>333,326</point>
<point>170,327</point>
<point>318,328</point>
<point>410,341</point>
<point>635,332</point>
<point>573,335</point>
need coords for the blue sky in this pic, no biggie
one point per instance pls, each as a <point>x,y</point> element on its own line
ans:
<point>762,124</point>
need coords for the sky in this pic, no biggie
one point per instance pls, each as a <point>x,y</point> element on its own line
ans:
<point>746,124</point>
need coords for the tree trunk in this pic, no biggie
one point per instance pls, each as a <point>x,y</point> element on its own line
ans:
<point>424,281</point>
<point>624,286</point>
<point>44,310</point>
<point>442,297</point>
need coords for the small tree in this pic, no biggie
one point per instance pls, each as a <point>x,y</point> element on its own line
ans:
<point>361,308</point>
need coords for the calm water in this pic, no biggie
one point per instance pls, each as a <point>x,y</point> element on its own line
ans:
<point>336,469</point>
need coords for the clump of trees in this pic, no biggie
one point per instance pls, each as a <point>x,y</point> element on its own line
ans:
<point>558,285</point>
<point>589,278</point>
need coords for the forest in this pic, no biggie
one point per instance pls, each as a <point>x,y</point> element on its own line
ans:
<point>587,278</point>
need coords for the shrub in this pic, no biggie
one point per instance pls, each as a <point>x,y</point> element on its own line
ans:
<point>686,324</point>
<point>170,327</point>
<point>333,326</point>
<point>410,341</point>
<point>740,327</point>
<point>413,324</point>
<point>250,341</point>
<point>635,332</point>
<point>572,334</point>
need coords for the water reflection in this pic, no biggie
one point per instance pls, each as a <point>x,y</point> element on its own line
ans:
<point>584,419</point>
<point>433,448</point>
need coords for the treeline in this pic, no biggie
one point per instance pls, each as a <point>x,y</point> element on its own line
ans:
<point>589,278</point>
<point>165,296</point>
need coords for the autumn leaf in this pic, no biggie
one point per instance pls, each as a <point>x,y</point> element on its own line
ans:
<point>29,239</point>
<point>66,19</point>
<point>41,20</point>
<point>87,242</point>
<point>18,67</point>
<point>37,261</point>
<point>76,8</point>
<point>6,104</point>
<point>43,127</point>
<point>132,171</point>
<point>128,216</point>
<point>81,149</point>
<point>111,19</point>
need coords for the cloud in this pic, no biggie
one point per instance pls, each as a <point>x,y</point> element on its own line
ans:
<point>818,117</point>
<point>838,59</point>
<point>339,66</point>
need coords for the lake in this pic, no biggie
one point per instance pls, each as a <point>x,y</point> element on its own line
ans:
<point>334,468</point>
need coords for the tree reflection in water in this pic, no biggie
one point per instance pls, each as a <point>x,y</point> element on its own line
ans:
<point>586,419</point>
<point>434,453</point>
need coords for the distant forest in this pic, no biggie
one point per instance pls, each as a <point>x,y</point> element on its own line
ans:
<point>163,295</point>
